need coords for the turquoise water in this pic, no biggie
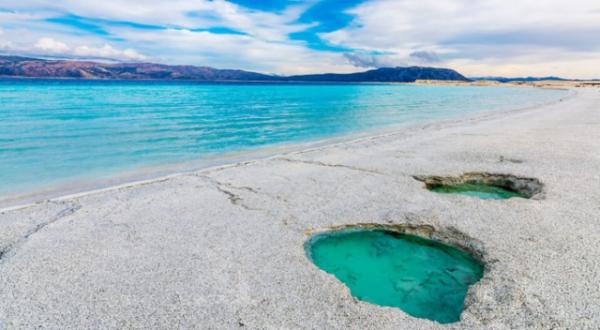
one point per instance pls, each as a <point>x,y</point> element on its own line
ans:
<point>424,278</point>
<point>478,190</point>
<point>53,132</point>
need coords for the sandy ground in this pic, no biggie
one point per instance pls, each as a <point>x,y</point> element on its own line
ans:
<point>223,248</point>
<point>541,83</point>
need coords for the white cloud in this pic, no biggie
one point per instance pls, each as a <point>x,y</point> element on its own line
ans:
<point>495,36</point>
<point>392,24</point>
<point>52,46</point>
<point>48,46</point>
<point>108,52</point>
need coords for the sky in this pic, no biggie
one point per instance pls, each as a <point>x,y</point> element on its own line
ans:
<point>477,38</point>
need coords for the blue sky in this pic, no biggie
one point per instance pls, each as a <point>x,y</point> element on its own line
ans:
<point>485,37</point>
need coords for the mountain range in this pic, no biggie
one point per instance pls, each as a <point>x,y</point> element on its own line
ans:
<point>24,67</point>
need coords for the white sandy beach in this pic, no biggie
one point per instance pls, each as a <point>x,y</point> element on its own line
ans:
<point>223,247</point>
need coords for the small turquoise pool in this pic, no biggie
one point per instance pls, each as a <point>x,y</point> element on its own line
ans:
<point>482,191</point>
<point>424,278</point>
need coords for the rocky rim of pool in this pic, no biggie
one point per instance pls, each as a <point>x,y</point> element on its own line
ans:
<point>424,271</point>
<point>485,185</point>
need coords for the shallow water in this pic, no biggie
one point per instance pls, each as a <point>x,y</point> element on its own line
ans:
<point>477,190</point>
<point>52,132</point>
<point>424,278</point>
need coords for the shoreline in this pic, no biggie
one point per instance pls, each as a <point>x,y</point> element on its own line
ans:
<point>154,173</point>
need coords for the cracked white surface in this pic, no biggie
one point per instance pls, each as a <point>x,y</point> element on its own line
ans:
<point>223,248</point>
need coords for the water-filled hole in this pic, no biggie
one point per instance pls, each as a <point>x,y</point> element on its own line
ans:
<point>424,278</point>
<point>484,185</point>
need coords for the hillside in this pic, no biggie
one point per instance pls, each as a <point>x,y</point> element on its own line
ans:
<point>399,74</point>
<point>14,66</point>
<point>37,68</point>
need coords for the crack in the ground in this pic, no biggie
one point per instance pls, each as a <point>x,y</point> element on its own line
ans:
<point>71,208</point>
<point>234,199</point>
<point>319,163</point>
<point>510,160</point>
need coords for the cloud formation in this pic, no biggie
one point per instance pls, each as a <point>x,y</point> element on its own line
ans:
<point>50,47</point>
<point>425,56</point>
<point>372,61</point>
<point>108,52</point>
<point>483,37</point>
<point>487,37</point>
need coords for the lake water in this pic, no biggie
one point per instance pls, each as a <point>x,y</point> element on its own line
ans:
<point>55,132</point>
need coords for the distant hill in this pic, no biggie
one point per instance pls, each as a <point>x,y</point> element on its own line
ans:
<point>399,74</point>
<point>15,66</point>
<point>11,66</point>
<point>519,79</point>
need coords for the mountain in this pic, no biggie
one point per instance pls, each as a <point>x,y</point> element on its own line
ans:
<point>12,66</point>
<point>399,74</point>
<point>15,66</point>
<point>519,79</point>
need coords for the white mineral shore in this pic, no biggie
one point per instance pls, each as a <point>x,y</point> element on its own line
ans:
<point>223,248</point>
